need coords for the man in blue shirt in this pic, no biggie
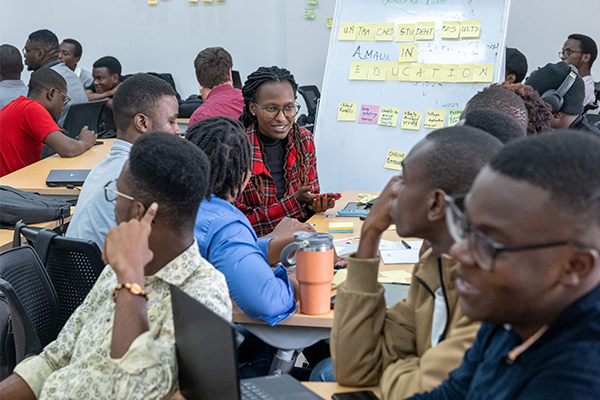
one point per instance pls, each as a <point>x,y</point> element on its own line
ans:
<point>145,104</point>
<point>528,244</point>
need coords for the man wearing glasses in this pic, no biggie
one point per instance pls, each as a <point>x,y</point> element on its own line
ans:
<point>581,52</point>
<point>28,122</point>
<point>411,347</point>
<point>528,244</point>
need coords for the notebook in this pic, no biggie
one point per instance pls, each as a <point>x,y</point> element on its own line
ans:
<point>67,177</point>
<point>207,358</point>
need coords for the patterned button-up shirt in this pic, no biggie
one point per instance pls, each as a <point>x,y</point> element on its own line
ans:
<point>78,363</point>
<point>266,212</point>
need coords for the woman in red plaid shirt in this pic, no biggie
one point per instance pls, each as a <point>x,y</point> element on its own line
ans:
<point>284,179</point>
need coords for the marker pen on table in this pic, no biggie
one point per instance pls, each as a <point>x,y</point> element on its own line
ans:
<point>405,244</point>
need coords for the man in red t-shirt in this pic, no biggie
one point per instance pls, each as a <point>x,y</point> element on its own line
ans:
<point>28,122</point>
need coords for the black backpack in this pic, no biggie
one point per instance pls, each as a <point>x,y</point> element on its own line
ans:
<point>7,340</point>
<point>32,208</point>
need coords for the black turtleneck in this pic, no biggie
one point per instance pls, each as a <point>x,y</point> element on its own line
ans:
<point>274,152</point>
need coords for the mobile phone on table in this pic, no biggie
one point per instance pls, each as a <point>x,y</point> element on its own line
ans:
<point>362,395</point>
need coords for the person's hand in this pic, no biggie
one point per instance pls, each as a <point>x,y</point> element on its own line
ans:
<point>126,247</point>
<point>323,202</point>
<point>379,218</point>
<point>288,226</point>
<point>87,136</point>
<point>304,196</point>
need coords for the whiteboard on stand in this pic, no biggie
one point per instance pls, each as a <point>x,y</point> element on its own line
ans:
<point>396,70</point>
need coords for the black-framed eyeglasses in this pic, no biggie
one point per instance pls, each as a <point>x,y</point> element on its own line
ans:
<point>484,249</point>
<point>271,112</point>
<point>567,53</point>
<point>111,193</point>
<point>66,99</point>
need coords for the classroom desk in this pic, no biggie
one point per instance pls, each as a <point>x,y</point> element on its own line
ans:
<point>32,178</point>
<point>327,389</point>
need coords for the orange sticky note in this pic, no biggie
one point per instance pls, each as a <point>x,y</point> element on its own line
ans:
<point>405,33</point>
<point>359,71</point>
<point>408,52</point>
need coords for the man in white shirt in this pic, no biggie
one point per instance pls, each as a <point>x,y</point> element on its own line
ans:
<point>69,52</point>
<point>581,52</point>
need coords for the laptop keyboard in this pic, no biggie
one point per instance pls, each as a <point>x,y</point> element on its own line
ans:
<point>251,392</point>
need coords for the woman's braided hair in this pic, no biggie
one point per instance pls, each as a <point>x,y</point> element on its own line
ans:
<point>226,144</point>
<point>250,90</point>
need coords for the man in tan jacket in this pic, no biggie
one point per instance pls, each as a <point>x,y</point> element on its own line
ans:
<point>411,347</point>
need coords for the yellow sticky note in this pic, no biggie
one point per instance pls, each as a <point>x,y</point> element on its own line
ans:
<point>454,116</point>
<point>359,71</point>
<point>450,30</point>
<point>393,160</point>
<point>483,72</point>
<point>208,1</point>
<point>405,33</point>
<point>377,71</point>
<point>193,1</point>
<point>347,31</point>
<point>329,22</point>
<point>366,32</point>
<point>404,72</point>
<point>340,276</point>
<point>341,227</point>
<point>312,1</point>
<point>388,116</point>
<point>152,1</point>
<point>309,13</point>
<point>433,73</point>
<point>417,72</point>
<point>393,71</point>
<point>470,29</point>
<point>465,73</point>
<point>449,72</point>
<point>408,52</point>
<point>397,276</point>
<point>411,120</point>
<point>347,112</point>
<point>434,119</point>
<point>425,31</point>
<point>385,32</point>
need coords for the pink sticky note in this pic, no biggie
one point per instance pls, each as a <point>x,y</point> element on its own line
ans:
<point>368,114</point>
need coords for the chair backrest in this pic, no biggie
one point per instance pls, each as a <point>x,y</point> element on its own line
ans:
<point>83,114</point>
<point>73,266</point>
<point>31,298</point>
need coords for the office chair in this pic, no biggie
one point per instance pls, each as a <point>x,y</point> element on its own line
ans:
<point>32,302</point>
<point>311,97</point>
<point>73,265</point>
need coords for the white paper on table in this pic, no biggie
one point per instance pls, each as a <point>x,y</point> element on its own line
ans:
<point>405,256</point>
<point>391,245</point>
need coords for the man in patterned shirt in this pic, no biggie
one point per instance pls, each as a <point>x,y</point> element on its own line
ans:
<point>119,344</point>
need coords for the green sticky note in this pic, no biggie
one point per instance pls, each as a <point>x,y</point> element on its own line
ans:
<point>312,1</point>
<point>309,13</point>
<point>454,116</point>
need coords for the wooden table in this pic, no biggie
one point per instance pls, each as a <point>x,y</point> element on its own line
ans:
<point>7,235</point>
<point>327,389</point>
<point>33,177</point>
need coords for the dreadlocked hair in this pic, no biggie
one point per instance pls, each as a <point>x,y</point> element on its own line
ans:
<point>226,144</point>
<point>250,90</point>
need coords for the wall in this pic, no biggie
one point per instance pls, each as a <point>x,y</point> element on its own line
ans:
<point>166,37</point>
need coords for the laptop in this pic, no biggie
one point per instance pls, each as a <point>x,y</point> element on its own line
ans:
<point>67,177</point>
<point>207,359</point>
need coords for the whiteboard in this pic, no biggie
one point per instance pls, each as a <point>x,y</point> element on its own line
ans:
<point>351,155</point>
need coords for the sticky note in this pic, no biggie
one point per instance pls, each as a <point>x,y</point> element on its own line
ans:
<point>193,1</point>
<point>309,13</point>
<point>340,276</point>
<point>411,120</point>
<point>470,29</point>
<point>312,1</point>
<point>424,30</point>
<point>449,72</point>
<point>368,114</point>
<point>465,73</point>
<point>454,116</point>
<point>341,227</point>
<point>483,72</point>
<point>396,276</point>
<point>366,32</point>
<point>329,22</point>
<point>433,73</point>
<point>377,71</point>
<point>208,1</point>
<point>152,1</point>
<point>404,72</point>
<point>405,33</point>
<point>394,159</point>
<point>347,31</point>
<point>347,112</point>
<point>417,72</point>
<point>388,116</point>
<point>450,30</point>
<point>408,52</point>
<point>385,32</point>
<point>359,71</point>
<point>393,69</point>
<point>434,119</point>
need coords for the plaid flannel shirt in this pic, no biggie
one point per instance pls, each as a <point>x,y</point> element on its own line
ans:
<point>265,214</point>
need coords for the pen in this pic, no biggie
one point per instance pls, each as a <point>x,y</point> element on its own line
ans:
<point>405,244</point>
